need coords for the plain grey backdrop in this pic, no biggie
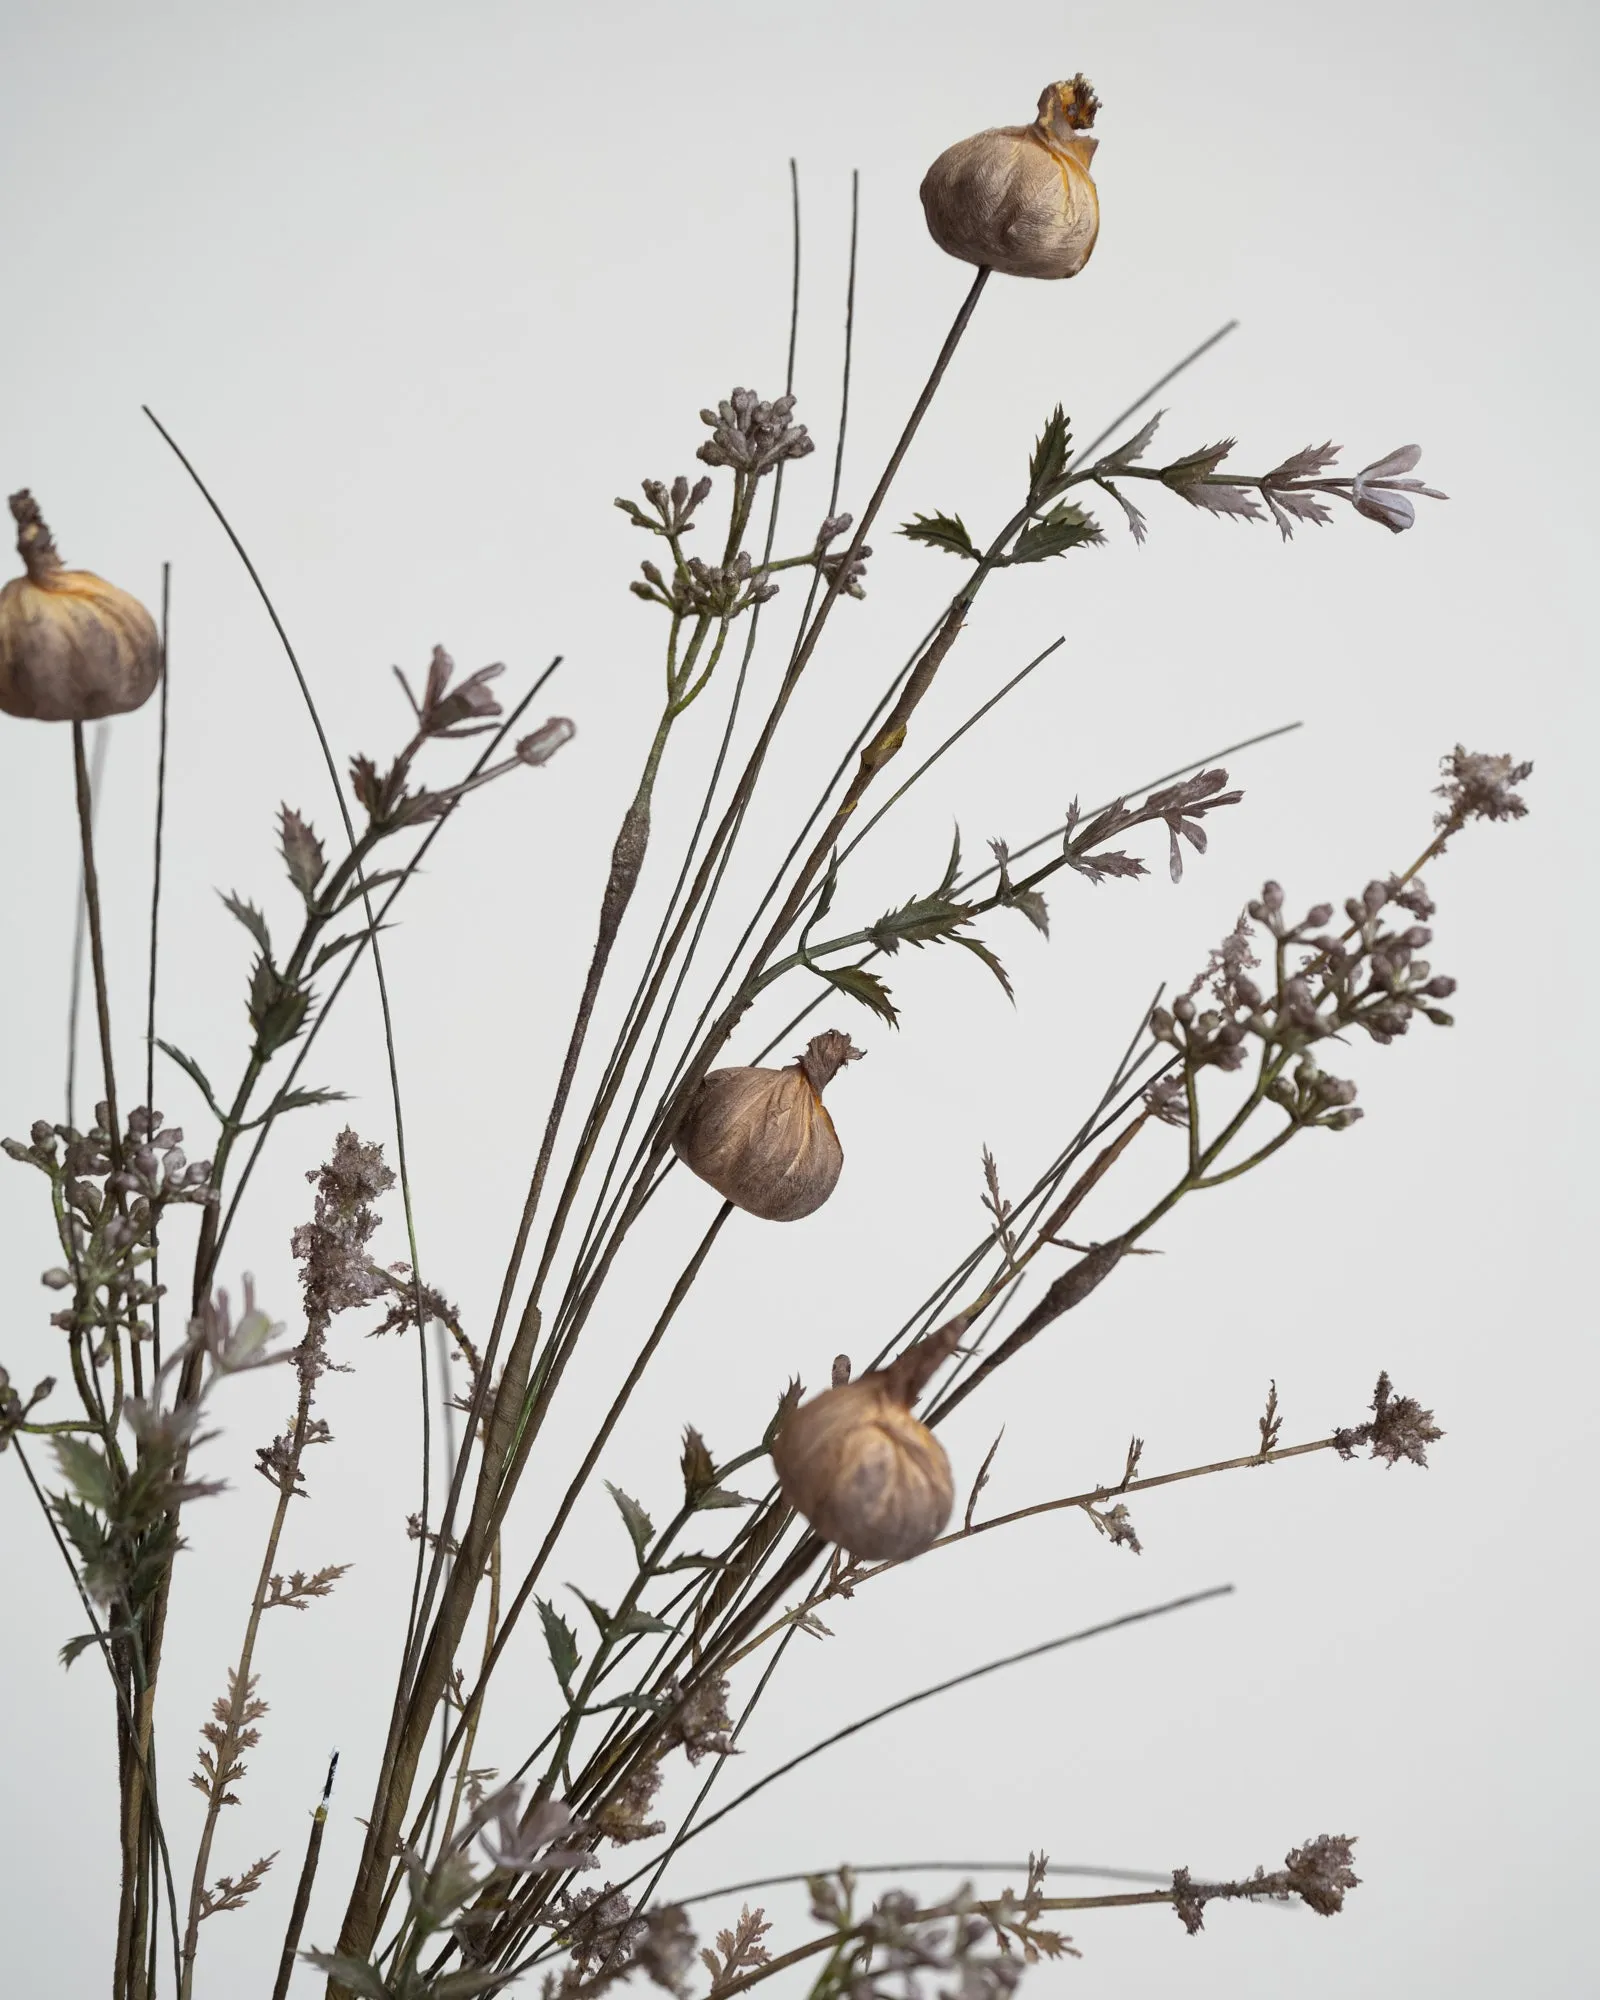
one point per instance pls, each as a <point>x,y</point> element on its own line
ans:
<point>421,289</point>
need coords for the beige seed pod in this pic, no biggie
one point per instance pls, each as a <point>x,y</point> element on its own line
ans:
<point>861,1469</point>
<point>1021,199</point>
<point>72,646</point>
<point>763,1138</point>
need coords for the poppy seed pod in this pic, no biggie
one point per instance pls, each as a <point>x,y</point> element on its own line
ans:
<point>862,1470</point>
<point>1021,199</point>
<point>763,1138</point>
<point>72,646</point>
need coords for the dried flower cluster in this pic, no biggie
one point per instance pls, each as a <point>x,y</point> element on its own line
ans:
<point>465,1884</point>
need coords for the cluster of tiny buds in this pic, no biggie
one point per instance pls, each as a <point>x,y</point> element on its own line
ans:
<point>1314,1098</point>
<point>674,506</point>
<point>701,590</point>
<point>1371,978</point>
<point>154,1167</point>
<point>751,436</point>
<point>852,573</point>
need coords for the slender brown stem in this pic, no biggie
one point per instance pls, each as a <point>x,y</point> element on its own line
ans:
<point>97,952</point>
<point>302,1894</point>
<point>240,1691</point>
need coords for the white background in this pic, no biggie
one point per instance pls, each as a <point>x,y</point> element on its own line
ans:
<point>420,289</point>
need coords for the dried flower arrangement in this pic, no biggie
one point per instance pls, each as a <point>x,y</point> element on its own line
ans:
<point>465,1885</point>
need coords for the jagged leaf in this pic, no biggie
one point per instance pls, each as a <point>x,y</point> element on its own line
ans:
<point>1049,460</point>
<point>722,1496</point>
<point>637,1522</point>
<point>597,1611</point>
<point>300,1099</point>
<point>1064,527</point>
<point>1231,500</point>
<point>562,1642</point>
<point>193,1071</point>
<point>699,1472</point>
<point>332,950</point>
<point>1197,464</point>
<point>924,920</point>
<point>864,986</point>
<point>640,1621</point>
<point>358,1974</point>
<point>1136,446</point>
<point>952,868</point>
<point>980,950</point>
<point>788,1402</point>
<point>367,883</point>
<point>85,1471</point>
<point>70,1651</point>
<point>302,852</point>
<point>941,531</point>
<point>1135,518</point>
<point>251,918</point>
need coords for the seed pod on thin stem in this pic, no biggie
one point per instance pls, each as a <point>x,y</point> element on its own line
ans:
<point>859,1466</point>
<point>763,1138</point>
<point>72,646</point>
<point>1021,198</point>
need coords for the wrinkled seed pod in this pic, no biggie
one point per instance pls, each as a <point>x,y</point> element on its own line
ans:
<point>763,1138</point>
<point>862,1470</point>
<point>1021,198</point>
<point>72,646</point>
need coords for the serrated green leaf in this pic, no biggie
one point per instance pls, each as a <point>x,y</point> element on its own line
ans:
<point>365,885</point>
<point>689,1562</point>
<point>864,986</point>
<point>1049,460</point>
<point>924,920</point>
<point>277,1009</point>
<point>252,919</point>
<point>562,1642</point>
<point>640,1621</point>
<point>601,1616</point>
<point>1033,906</point>
<point>952,868</point>
<point>70,1651</point>
<point>329,952</point>
<point>1185,471</point>
<point>698,1470</point>
<point>85,1471</point>
<point>980,950</point>
<point>1064,527</point>
<point>194,1072</point>
<point>721,1496</point>
<point>637,1522</point>
<point>85,1531</point>
<point>941,531</point>
<point>358,1974</point>
<point>300,1099</point>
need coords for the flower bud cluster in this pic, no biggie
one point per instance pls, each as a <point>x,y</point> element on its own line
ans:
<point>703,590</point>
<point>107,1212</point>
<point>752,437</point>
<point>1371,977</point>
<point>674,507</point>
